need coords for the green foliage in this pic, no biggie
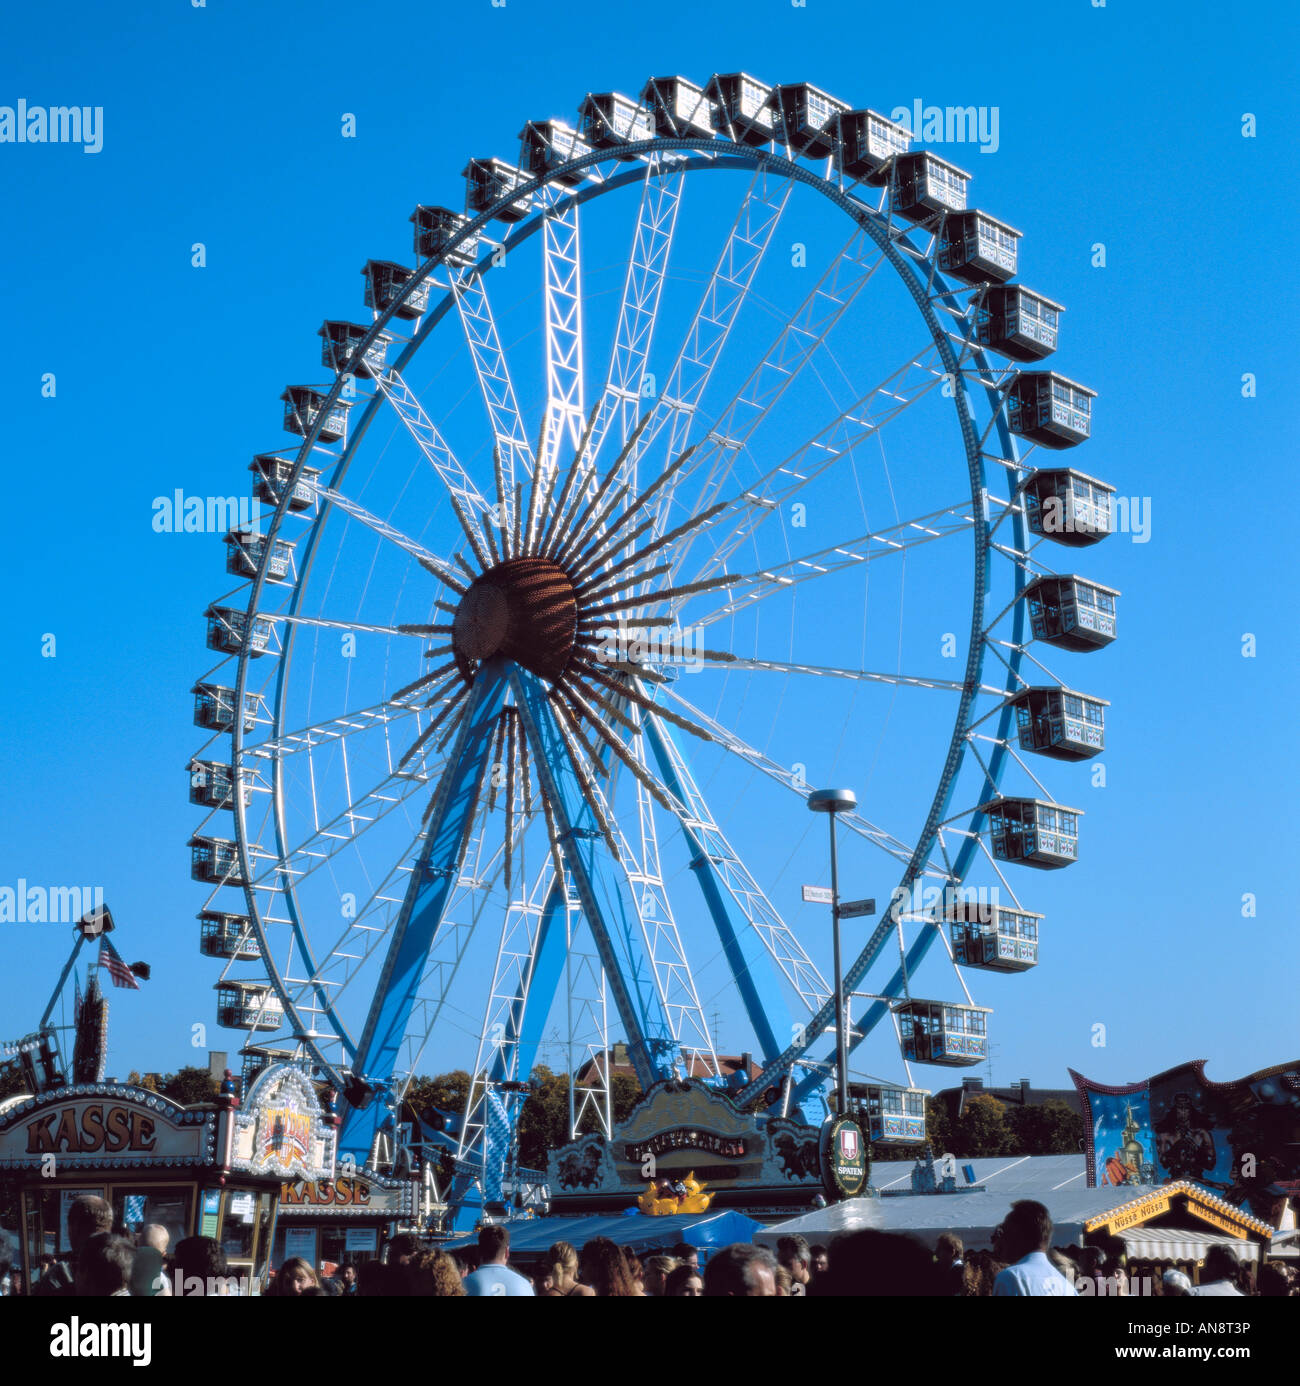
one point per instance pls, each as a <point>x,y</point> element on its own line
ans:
<point>187,1086</point>
<point>982,1130</point>
<point>1051,1128</point>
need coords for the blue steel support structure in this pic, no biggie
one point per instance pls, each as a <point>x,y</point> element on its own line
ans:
<point>603,888</point>
<point>422,910</point>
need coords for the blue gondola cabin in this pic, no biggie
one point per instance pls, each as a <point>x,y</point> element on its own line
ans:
<point>1033,832</point>
<point>214,861</point>
<point>993,937</point>
<point>894,1116</point>
<point>214,707</point>
<point>550,144</point>
<point>435,230</point>
<point>229,936</point>
<point>1047,408</point>
<point>976,248</point>
<point>248,1006</point>
<point>1067,506</point>
<point>386,282</point>
<point>226,631</point>
<point>609,119</point>
<point>271,475</point>
<point>745,109</point>
<point>1070,612</point>
<point>867,143</point>
<point>943,1032</point>
<point>925,184</point>
<point>245,551</point>
<point>1060,723</point>
<point>679,108</point>
<point>809,119</point>
<point>303,406</point>
<point>1018,323</point>
<point>341,349</point>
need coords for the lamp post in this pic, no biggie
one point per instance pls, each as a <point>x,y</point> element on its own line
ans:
<point>831,802</point>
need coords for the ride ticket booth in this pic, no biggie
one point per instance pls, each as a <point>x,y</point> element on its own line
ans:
<point>213,1169</point>
<point>330,1221</point>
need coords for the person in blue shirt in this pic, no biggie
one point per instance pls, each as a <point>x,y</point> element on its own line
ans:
<point>494,1276</point>
<point>1023,1240</point>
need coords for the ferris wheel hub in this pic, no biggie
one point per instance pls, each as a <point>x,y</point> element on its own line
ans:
<point>525,609</point>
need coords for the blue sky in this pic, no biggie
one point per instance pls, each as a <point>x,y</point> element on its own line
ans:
<point>1119,125</point>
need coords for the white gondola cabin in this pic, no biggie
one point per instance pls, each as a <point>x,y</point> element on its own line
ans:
<point>214,861</point>
<point>550,144</point>
<point>610,119</point>
<point>385,283</point>
<point>809,119</point>
<point>867,143</point>
<point>212,786</point>
<point>436,228</point>
<point>340,349</point>
<point>1049,409</point>
<point>271,475</point>
<point>303,406</point>
<point>993,937</point>
<point>1018,323</point>
<point>230,936</point>
<point>943,1032</point>
<point>679,108</point>
<point>894,1116</point>
<point>227,627</point>
<point>487,182</point>
<point>925,184</point>
<point>1060,723</point>
<point>245,551</point>
<point>248,1006</point>
<point>1033,832</point>
<point>745,109</point>
<point>976,247</point>
<point>214,707</point>
<point>1067,506</point>
<point>1071,612</point>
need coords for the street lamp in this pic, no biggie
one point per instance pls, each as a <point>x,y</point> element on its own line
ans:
<point>833,801</point>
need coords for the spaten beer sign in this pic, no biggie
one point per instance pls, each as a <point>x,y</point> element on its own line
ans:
<point>844,1158</point>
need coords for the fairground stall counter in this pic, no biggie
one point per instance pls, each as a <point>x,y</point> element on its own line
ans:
<point>212,1170</point>
<point>330,1221</point>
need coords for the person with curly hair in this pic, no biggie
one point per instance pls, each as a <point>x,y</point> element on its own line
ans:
<point>603,1268</point>
<point>434,1273</point>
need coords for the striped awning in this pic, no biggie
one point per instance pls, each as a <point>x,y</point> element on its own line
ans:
<point>1182,1244</point>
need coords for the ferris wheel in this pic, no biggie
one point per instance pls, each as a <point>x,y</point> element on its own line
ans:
<point>691,464</point>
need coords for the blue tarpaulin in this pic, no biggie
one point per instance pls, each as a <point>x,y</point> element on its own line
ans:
<point>636,1232</point>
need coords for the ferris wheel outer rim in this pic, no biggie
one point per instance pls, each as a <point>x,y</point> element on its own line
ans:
<point>732,156</point>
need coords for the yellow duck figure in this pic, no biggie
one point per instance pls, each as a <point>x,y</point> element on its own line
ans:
<point>695,1199</point>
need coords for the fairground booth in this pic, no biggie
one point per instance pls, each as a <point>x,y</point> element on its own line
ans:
<point>214,1169</point>
<point>329,1221</point>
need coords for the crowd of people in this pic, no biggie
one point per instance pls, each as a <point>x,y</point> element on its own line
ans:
<point>1022,1261</point>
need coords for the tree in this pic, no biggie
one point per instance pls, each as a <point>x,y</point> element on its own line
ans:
<point>938,1129</point>
<point>188,1086</point>
<point>983,1129</point>
<point>1049,1128</point>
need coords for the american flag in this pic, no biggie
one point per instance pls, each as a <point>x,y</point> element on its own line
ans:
<point>120,973</point>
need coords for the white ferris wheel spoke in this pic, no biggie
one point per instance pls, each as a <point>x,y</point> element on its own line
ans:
<point>468,502</point>
<point>745,591</point>
<point>620,400</point>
